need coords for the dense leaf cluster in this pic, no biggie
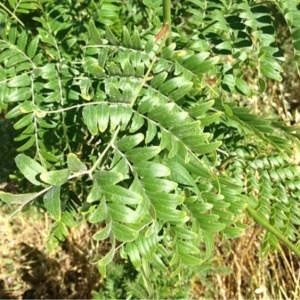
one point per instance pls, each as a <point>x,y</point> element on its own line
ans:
<point>145,140</point>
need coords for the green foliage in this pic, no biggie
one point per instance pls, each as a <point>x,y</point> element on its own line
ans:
<point>123,282</point>
<point>146,141</point>
<point>291,13</point>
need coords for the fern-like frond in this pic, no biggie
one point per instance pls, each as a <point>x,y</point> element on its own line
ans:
<point>291,12</point>
<point>143,140</point>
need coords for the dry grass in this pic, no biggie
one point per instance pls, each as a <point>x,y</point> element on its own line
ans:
<point>29,271</point>
<point>254,276</point>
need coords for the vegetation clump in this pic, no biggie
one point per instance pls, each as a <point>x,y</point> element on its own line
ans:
<point>144,130</point>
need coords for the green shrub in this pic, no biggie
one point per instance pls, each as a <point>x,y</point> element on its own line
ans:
<point>145,138</point>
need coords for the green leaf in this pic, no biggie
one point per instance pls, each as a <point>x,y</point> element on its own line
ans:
<point>233,232</point>
<point>181,91</point>
<point>158,263</point>
<point>262,85</point>
<point>187,247</point>
<point>74,164</point>
<point>102,116</point>
<point>200,109</point>
<point>129,141</point>
<point>6,54</point>
<point>193,61</point>
<point>94,33</point>
<point>151,169</point>
<point>19,81</point>
<point>184,233</point>
<point>123,214</point>
<point>126,38</point>
<point>32,47</point>
<point>242,86</point>
<point>29,168</point>
<point>209,147</point>
<point>30,142</point>
<point>164,200</point>
<point>12,34</point>
<point>24,121</point>
<point>111,37</point>
<point>52,202</point>
<point>159,184</point>
<point>119,165</point>
<point>180,174</point>
<point>22,41</point>
<point>136,41</point>
<point>136,123</point>
<point>209,244</point>
<point>172,216</point>
<point>119,115</point>
<point>190,260</point>
<point>17,198</point>
<point>100,214</point>
<point>269,71</point>
<point>14,112</point>
<point>48,156</point>
<point>146,245</point>
<point>17,60</point>
<point>228,110</point>
<point>108,177</point>
<point>210,119</point>
<point>95,193</point>
<point>140,154</point>
<point>133,252</point>
<point>24,66</point>
<point>159,79</point>
<point>151,132</point>
<point>27,106</point>
<point>102,57</point>
<point>103,262</point>
<point>103,233</point>
<point>57,177</point>
<point>85,85</point>
<point>20,94</point>
<point>170,85</point>
<point>120,194</point>
<point>211,227</point>
<point>90,118</point>
<point>124,233</point>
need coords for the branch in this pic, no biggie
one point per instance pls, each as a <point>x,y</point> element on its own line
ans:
<point>260,219</point>
<point>167,18</point>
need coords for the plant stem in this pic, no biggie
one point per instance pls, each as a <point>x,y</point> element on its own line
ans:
<point>99,160</point>
<point>167,18</point>
<point>260,219</point>
<point>13,14</point>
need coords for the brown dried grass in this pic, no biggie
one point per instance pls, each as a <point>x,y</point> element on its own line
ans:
<point>28,271</point>
<point>253,275</point>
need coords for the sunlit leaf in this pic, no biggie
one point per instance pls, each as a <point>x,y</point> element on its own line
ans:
<point>17,198</point>
<point>120,194</point>
<point>29,168</point>
<point>103,233</point>
<point>124,233</point>
<point>151,169</point>
<point>74,163</point>
<point>57,177</point>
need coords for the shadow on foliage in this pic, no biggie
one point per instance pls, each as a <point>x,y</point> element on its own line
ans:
<point>7,150</point>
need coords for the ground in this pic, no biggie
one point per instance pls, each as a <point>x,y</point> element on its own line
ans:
<point>28,270</point>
